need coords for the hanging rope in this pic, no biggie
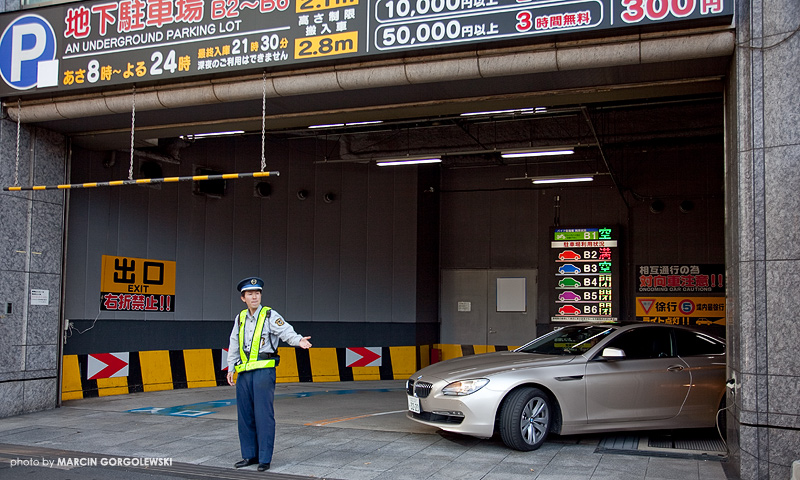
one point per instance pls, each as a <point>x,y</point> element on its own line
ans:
<point>263,119</point>
<point>133,123</point>
<point>19,127</point>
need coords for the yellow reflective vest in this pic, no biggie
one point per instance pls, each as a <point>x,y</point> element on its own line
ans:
<point>252,362</point>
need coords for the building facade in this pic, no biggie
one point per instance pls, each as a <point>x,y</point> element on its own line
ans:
<point>686,128</point>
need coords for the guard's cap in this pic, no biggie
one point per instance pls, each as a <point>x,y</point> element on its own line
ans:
<point>250,283</point>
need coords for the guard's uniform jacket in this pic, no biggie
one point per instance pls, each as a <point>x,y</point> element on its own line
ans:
<point>273,329</point>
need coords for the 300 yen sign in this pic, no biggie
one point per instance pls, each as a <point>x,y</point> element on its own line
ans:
<point>637,10</point>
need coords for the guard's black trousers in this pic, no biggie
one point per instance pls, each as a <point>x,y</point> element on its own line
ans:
<point>255,392</point>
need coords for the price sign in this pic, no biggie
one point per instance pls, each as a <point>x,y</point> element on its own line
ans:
<point>100,43</point>
<point>585,263</point>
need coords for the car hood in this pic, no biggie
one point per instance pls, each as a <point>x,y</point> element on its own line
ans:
<point>487,364</point>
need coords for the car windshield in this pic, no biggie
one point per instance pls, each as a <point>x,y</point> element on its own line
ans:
<point>573,340</point>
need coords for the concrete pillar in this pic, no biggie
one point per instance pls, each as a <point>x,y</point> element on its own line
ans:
<point>763,244</point>
<point>31,237</point>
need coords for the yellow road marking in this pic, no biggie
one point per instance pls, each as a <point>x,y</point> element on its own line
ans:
<point>322,423</point>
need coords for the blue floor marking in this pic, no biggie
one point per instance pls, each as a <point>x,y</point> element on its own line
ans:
<point>205,408</point>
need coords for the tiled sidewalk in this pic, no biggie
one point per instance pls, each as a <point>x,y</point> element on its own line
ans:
<point>381,444</point>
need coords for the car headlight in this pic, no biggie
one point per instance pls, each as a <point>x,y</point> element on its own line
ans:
<point>465,387</point>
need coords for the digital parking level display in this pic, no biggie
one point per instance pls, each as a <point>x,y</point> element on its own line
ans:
<point>585,263</point>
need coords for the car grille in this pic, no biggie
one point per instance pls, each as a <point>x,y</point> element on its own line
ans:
<point>418,389</point>
<point>437,418</point>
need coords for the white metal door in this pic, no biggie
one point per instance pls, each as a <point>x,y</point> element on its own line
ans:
<point>488,307</point>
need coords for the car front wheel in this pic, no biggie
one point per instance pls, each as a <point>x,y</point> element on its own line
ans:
<point>525,419</point>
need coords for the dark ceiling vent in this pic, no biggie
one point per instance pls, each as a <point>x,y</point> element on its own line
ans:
<point>209,188</point>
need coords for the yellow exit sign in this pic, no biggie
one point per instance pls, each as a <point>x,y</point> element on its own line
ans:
<point>137,275</point>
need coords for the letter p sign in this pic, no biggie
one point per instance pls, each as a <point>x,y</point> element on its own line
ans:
<point>28,52</point>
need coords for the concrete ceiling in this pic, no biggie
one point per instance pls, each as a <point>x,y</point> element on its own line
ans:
<point>428,104</point>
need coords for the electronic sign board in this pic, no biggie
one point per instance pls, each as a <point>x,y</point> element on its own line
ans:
<point>585,262</point>
<point>100,43</point>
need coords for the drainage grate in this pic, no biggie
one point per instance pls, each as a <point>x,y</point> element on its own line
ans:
<point>692,444</point>
<point>704,444</point>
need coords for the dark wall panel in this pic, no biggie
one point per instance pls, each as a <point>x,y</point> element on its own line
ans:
<point>327,243</point>
<point>189,257</point>
<point>76,250</point>
<point>300,241</point>
<point>404,255</point>
<point>102,228</point>
<point>380,243</point>
<point>246,232</point>
<point>428,225</point>
<point>513,233</point>
<point>217,254</point>
<point>181,335</point>
<point>273,240</point>
<point>348,262</point>
<point>354,241</point>
<point>465,216</point>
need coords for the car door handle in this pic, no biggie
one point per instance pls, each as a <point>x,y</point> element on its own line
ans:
<point>675,368</point>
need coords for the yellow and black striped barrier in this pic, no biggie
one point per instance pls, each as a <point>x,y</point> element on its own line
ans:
<point>145,181</point>
<point>155,370</point>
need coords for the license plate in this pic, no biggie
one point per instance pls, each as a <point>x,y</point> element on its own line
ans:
<point>413,405</point>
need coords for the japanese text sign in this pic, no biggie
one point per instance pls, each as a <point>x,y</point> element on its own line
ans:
<point>132,284</point>
<point>703,312</point>
<point>95,44</point>
<point>680,278</point>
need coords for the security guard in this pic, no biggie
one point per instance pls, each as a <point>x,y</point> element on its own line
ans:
<point>252,354</point>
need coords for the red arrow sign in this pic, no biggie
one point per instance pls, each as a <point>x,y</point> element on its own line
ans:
<point>363,357</point>
<point>107,365</point>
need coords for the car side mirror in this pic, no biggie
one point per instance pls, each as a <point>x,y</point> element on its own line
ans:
<point>611,353</point>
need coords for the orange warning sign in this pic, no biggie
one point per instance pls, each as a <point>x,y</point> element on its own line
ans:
<point>680,306</point>
<point>137,275</point>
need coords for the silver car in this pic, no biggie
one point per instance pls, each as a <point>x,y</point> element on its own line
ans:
<point>578,379</point>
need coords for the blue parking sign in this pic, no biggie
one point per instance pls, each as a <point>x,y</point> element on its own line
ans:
<point>28,53</point>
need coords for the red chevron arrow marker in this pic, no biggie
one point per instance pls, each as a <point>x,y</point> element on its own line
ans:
<point>363,357</point>
<point>107,365</point>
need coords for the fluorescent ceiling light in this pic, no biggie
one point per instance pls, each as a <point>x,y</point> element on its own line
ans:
<point>516,111</point>
<point>349,124</point>
<point>371,122</point>
<point>536,152</point>
<point>512,111</point>
<point>385,162</point>
<point>212,134</point>
<point>562,179</point>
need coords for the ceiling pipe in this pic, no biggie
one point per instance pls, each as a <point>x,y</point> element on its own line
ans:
<point>549,57</point>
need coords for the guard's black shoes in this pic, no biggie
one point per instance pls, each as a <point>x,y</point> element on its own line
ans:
<point>263,466</point>
<point>246,462</point>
